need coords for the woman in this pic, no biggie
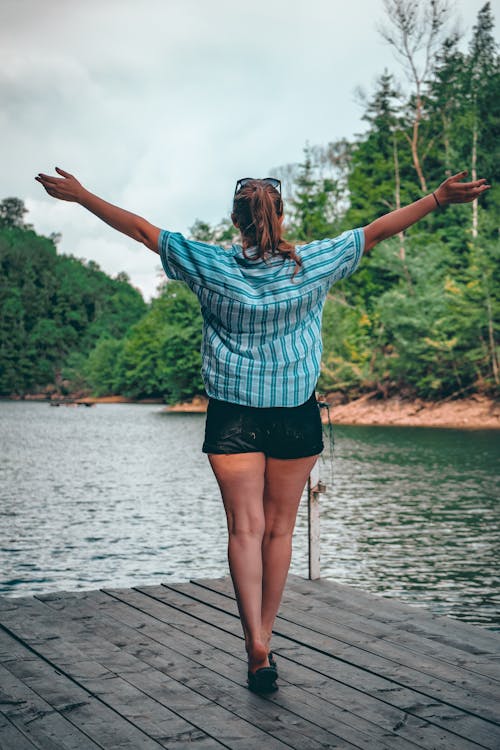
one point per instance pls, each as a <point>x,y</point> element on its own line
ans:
<point>262,302</point>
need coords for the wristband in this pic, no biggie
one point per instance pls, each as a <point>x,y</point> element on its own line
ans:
<point>438,203</point>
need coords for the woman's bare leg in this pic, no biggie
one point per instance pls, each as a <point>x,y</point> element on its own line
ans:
<point>241,480</point>
<point>284,482</point>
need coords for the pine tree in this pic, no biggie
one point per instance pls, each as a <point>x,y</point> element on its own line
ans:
<point>380,169</point>
<point>311,215</point>
<point>482,72</point>
<point>445,100</point>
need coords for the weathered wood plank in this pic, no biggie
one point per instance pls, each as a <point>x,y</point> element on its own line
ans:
<point>226,663</point>
<point>205,676</point>
<point>168,662</point>
<point>309,706</point>
<point>368,647</point>
<point>469,638</point>
<point>371,696</point>
<point>11,738</point>
<point>425,701</point>
<point>325,709</point>
<point>35,718</point>
<point>417,663</point>
<point>114,685</point>
<point>470,647</point>
<point>87,712</point>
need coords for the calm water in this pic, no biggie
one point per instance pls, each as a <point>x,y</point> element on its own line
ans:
<point>121,495</point>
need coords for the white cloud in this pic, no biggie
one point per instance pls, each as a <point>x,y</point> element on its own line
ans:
<point>160,106</point>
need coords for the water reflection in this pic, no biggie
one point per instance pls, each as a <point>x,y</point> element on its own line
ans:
<point>121,495</point>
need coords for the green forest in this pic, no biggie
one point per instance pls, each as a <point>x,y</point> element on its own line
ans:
<point>420,316</point>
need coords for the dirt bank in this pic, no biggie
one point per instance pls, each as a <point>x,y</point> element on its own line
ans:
<point>475,412</point>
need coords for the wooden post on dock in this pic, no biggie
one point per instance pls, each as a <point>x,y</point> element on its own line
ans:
<point>314,487</point>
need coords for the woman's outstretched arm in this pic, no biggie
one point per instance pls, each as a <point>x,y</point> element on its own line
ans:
<point>67,188</point>
<point>450,191</point>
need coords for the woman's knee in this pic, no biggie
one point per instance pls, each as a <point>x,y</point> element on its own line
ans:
<point>279,529</point>
<point>246,525</point>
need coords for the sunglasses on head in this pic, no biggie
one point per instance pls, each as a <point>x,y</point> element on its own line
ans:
<point>269,180</point>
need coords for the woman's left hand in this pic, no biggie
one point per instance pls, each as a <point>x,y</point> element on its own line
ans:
<point>453,190</point>
<point>66,188</point>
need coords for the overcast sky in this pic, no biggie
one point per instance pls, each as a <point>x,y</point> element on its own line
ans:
<point>159,106</point>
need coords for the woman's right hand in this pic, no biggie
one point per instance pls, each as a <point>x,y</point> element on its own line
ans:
<point>454,191</point>
<point>66,188</point>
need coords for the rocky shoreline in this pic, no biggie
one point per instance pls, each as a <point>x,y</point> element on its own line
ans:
<point>475,412</point>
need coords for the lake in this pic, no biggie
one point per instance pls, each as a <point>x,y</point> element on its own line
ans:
<point>121,495</point>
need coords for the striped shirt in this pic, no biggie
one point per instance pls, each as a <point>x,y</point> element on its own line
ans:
<point>261,341</point>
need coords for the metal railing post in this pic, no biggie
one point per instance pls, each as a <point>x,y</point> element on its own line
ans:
<point>314,488</point>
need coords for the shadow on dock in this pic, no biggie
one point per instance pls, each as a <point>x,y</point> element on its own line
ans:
<point>164,666</point>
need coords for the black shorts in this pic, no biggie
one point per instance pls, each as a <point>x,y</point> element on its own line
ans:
<point>277,431</point>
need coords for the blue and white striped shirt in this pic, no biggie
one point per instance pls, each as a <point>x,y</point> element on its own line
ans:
<point>261,343</point>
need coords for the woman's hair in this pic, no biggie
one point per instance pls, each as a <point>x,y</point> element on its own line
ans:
<point>257,209</point>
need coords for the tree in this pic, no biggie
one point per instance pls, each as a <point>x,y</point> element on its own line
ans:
<point>482,66</point>
<point>380,178</point>
<point>377,168</point>
<point>477,308</point>
<point>12,211</point>
<point>446,96</point>
<point>52,306</point>
<point>102,369</point>
<point>222,233</point>
<point>160,355</point>
<point>415,29</point>
<point>311,212</point>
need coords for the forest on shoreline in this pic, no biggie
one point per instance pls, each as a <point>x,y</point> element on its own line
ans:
<point>418,319</point>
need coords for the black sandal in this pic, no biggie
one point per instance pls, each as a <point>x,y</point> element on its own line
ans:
<point>263,680</point>
<point>272,662</point>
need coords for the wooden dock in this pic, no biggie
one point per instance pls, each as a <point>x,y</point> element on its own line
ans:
<point>164,667</point>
